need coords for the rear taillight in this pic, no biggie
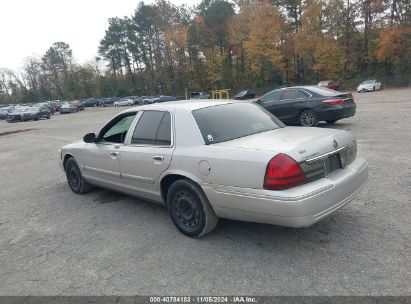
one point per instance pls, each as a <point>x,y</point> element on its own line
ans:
<point>334,101</point>
<point>283,172</point>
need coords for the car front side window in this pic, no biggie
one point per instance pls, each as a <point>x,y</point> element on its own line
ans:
<point>116,130</point>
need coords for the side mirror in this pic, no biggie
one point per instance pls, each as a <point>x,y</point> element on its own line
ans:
<point>258,101</point>
<point>89,138</point>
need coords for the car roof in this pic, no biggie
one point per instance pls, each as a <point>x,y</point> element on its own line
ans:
<point>186,105</point>
<point>307,87</point>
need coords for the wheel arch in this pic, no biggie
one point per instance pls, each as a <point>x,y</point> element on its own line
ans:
<point>305,109</point>
<point>170,177</point>
<point>65,159</point>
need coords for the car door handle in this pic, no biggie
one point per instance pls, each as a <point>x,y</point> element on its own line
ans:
<point>114,154</point>
<point>158,157</point>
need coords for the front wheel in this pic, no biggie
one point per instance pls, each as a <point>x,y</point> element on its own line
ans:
<point>308,118</point>
<point>189,209</point>
<point>75,179</point>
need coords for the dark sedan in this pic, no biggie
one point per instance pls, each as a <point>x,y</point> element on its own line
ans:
<point>29,113</point>
<point>49,106</point>
<point>243,95</point>
<point>91,102</point>
<point>163,98</point>
<point>108,102</point>
<point>307,105</point>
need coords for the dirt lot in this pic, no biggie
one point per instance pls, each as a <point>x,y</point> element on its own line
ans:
<point>55,242</point>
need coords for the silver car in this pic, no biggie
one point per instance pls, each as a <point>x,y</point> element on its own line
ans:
<point>206,160</point>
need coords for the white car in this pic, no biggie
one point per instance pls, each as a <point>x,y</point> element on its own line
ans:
<point>124,102</point>
<point>369,85</point>
<point>206,160</point>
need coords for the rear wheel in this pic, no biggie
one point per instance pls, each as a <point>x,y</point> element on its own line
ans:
<point>308,118</point>
<point>75,179</point>
<point>189,209</point>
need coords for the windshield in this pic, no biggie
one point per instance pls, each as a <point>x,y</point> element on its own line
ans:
<point>230,121</point>
<point>242,93</point>
<point>368,81</point>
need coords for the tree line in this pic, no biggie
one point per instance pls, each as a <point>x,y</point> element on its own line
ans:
<point>163,48</point>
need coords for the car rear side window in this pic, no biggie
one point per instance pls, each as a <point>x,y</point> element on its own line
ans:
<point>230,121</point>
<point>293,94</point>
<point>272,96</point>
<point>153,128</point>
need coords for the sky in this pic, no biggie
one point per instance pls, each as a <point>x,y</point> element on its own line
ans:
<point>30,27</point>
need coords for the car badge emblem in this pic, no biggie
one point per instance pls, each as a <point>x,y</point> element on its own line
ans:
<point>210,138</point>
<point>335,144</point>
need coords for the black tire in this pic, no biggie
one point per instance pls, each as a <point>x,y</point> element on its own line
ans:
<point>308,118</point>
<point>48,116</point>
<point>373,88</point>
<point>37,117</point>
<point>75,180</point>
<point>189,209</point>
<point>331,121</point>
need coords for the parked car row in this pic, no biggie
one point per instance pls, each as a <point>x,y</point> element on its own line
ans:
<point>126,101</point>
<point>37,111</point>
<point>25,113</point>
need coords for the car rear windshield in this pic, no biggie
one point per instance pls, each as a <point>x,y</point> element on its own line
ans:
<point>230,121</point>
<point>323,91</point>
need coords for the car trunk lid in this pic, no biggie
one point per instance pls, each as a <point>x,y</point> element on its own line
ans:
<point>299,143</point>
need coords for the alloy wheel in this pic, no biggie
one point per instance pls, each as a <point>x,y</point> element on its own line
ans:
<point>308,119</point>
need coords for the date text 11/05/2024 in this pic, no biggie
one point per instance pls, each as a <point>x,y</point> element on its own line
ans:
<point>202,299</point>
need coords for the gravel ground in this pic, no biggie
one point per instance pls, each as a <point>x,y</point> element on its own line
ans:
<point>55,242</point>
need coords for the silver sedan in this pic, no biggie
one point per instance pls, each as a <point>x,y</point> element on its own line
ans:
<point>207,160</point>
